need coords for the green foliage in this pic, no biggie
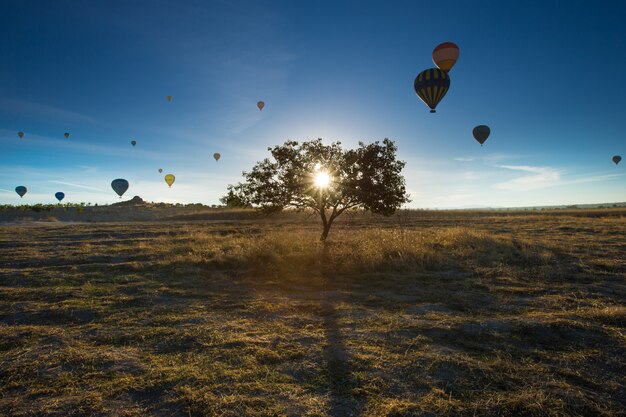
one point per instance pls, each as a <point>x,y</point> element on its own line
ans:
<point>38,208</point>
<point>368,177</point>
<point>235,198</point>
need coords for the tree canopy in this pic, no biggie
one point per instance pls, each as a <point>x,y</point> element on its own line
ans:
<point>324,178</point>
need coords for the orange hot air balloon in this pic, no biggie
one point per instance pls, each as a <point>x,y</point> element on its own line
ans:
<point>169,98</point>
<point>445,55</point>
<point>260,105</point>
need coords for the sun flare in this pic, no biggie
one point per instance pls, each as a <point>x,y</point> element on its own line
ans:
<point>322,179</point>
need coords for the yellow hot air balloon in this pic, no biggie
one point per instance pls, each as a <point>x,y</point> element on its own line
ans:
<point>260,105</point>
<point>217,156</point>
<point>169,179</point>
<point>169,98</point>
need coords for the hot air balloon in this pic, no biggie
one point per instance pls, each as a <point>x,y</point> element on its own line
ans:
<point>160,170</point>
<point>20,134</point>
<point>431,86</point>
<point>169,98</point>
<point>60,196</point>
<point>67,135</point>
<point>481,133</point>
<point>119,186</point>
<point>169,179</point>
<point>445,56</point>
<point>260,105</point>
<point>217,156</point>
<point>616,159</point>
<point>133,142</point>
<point>20,190</point>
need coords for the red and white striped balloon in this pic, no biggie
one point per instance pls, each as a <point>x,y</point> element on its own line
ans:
<point>445,55</point>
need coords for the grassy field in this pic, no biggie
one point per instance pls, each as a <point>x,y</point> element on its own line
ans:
<point>423,314</point>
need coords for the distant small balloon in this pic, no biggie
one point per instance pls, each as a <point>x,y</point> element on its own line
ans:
<point>217,156</point>
<point>169,98</point>
<point>481,133</point>
<point>616,159</point>
<point>67,135</point>
<point>120,186</point>
<point>20,134</point>
<point>260,105</point>
<point>133,142</point>
<point>20,190</point>
<point>160,170</point>
<point>169,179</point>
<point>60,196</point>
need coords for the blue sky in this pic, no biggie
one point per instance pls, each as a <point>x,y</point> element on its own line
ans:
<point>546,76</point>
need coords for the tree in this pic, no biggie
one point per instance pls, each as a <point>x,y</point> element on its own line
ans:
<point>234,198</point>
<point>325,179</point>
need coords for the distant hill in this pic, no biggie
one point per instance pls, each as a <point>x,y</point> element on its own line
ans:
<point>136,209</point>
<point>135,201</point>
<point>571,206</point>
<point>558,207</point>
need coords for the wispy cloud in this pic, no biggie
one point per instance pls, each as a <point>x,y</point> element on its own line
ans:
<point>489,158</point>
<point>38,110</point>
<point>443,199</point>
<point>541,177</point>
<point>120,150</point>
<point>472,175</point>
<point>526,168</point>
<point>88,169</point>
<point>240,123</point>
<point>593,178</point>
<point>497,157</point>
<point>86,187</point>
<point>455,197</point>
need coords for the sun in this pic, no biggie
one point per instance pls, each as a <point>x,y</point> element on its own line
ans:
<point>322,179</point>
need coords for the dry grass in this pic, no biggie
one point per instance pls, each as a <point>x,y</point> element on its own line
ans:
<point>427,314</point>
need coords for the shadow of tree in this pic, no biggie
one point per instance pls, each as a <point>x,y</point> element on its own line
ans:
<point>340,378</point>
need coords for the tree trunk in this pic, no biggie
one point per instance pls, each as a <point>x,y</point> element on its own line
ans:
<point>325,231</point>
